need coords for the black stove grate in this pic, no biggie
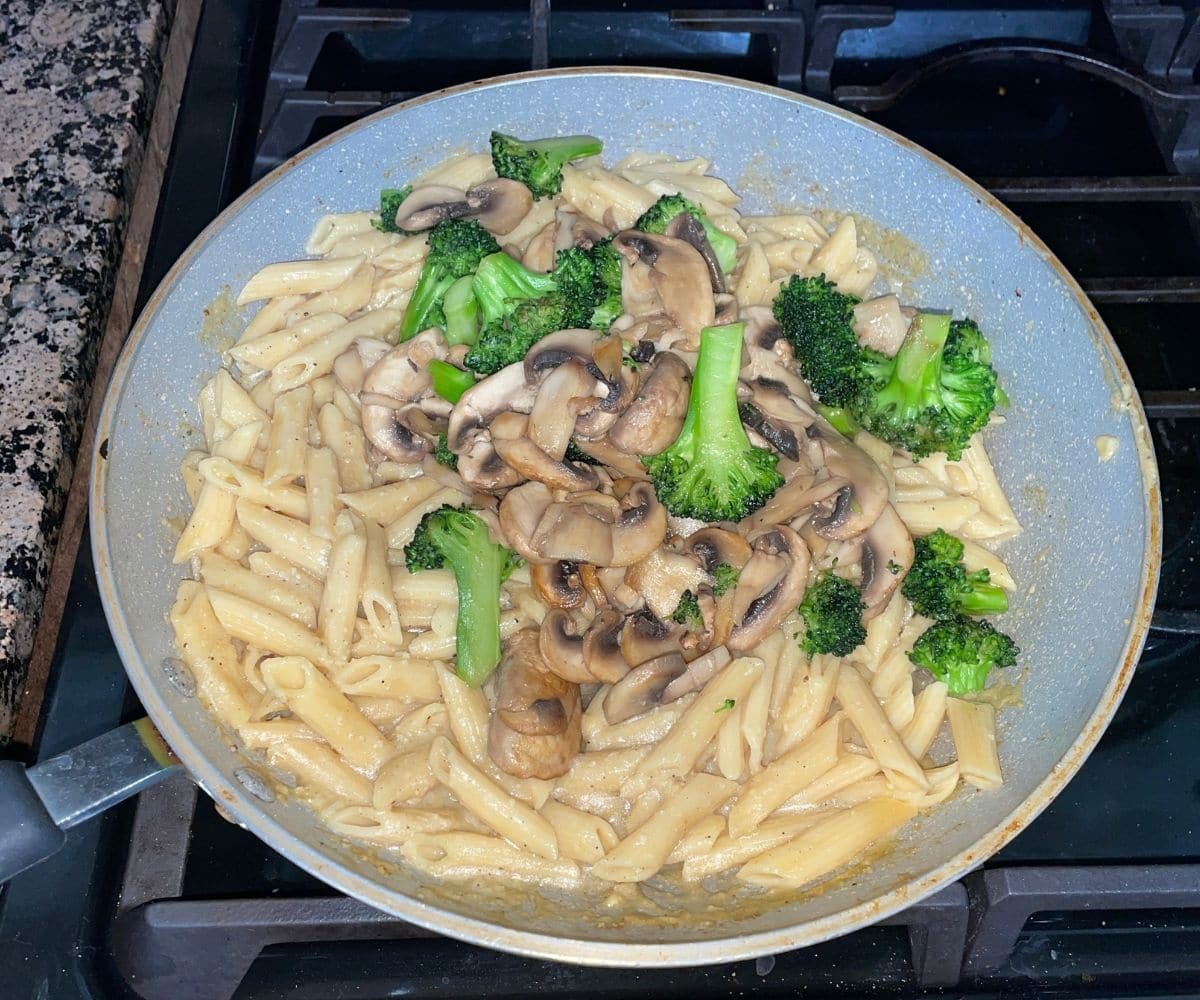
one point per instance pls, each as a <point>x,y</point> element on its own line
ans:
<point>1091,134</point>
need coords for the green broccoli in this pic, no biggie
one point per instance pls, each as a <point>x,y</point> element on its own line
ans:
<point>449,382</point>
<point>659,215</point>
<point>939,390</point>
<point>712,471</point>
<point>461,312</point>
<point>962,652</point>
<point>443,454</point>
<point>840,418</point>
<point>687,612</point>
<point>458,539</point>
<point>818,321</point>
<point>390,200</point>
<point>538,163</point>
<point>456,247</point>
<point>939,585</point>
<point>832,611</point>
<point>725,578</point>
<point>606,285</point>
<point>519,307</point>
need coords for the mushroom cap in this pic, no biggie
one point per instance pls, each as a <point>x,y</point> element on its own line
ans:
<point>678,274</point>
<point>536,730</point>
<point>522,454</point>
<point>385,427</point>
<point>762,328</point>
<point>507,389</point>
<point>558,584</point>
<point>769,587</point>
<point>642,688</point>
<point>887,555</point>
<point>645,636</point>
<point>715,545</point>
<point>593,656</point>
<point>521,511</point>
<point>856,506</point>
<point>499,205</point>
<point>653,420</point>
<point>641,526</point>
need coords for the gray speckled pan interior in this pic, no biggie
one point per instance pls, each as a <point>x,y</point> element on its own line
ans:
<point>1087,562</point>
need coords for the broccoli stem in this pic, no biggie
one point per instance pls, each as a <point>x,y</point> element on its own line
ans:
<point>449,382</point>
<point>462,312</point>
<point>500,278</point>
<point>841,419</point>
<point>918,368</point>
<point>714,393</point>
<point>477,637</point>
<point>984,599</point>
<point>431,286</point>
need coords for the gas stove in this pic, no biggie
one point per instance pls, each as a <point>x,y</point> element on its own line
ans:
<point>1085,118</point>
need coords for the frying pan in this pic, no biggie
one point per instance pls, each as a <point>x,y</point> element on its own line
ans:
<point>1087,560</point>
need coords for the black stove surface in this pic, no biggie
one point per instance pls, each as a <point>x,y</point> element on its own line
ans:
<point>1077,115</point>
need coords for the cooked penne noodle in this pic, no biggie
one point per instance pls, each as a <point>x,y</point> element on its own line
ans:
<point>275,567</point>
<point>213,516</point>
<point>243,481</point>
<point>286,536</point>
<point>260,626</point>
<point>471,856</point>
<point>339,600</point>
<point>808,703</point>
<point>644,851</point>
<point>224,574</point>
<point>316,359</point>
<point>698,840</point>
<point>207,652</point>
<point>385,504</point>
<point>729,852</point>
<point>404,778</point>
<point>297,277</point>
<point>581,836</point>
<point>973,726</point>
<point>287,451</point>
<point>315,764</point>
<point>867,716</point>
<point>348,444</point>
<point>376,596</point>
<point>388,827</point>
<point>270,317</point>
<point>266,351</point>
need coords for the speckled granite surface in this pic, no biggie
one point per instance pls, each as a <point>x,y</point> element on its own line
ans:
<point>77,86</point>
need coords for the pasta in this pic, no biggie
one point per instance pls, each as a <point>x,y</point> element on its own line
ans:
<point>658,703</point>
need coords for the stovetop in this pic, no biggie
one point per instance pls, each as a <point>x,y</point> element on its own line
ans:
<point>1086,119</point>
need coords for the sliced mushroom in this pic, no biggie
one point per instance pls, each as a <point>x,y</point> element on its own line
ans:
<point>616,591</point>
<point>539,254</point>
<point>577,231</point>
<point>509,437</point>
<point>699,672</point>
<point>881,323</point>
<point>714,546</point>
<point>575,532</point>
<point>351,366</point>
<point>726,307</point>
<point>430,204</point>
<point>887,555</point>
<point>685,227</point>
<point>600,449</point>
<point>857,504</point>
<point>507,389</point>
<point>679,276</point>
<point>645,636</point>
<point>769,587</point>
<point>762,329</point>
<point>640,528</point>
<point>396,380</point>
<point>593,657</point>
<point>481,466</point>
<point>642,688</point>
<point>521,511</point>
<point>536,730</point>
<point>559,348</point>
<point>558,584</point>
<point>565,392</point>
<point>663,576</point>
<point>653,420</point>
<point>499,205</point>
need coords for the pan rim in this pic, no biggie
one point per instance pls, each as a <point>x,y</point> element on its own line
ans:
<point>245,809</point>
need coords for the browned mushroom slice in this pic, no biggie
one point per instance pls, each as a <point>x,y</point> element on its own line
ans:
<point>644,636</point>
<point>521,511</point>
<point>509,437</point>
<point>887,555</point>
<point>499,205</point>
<point>558,584</point>
<point>796,496</point>
<point>856,506</point>
<point>594,656</point>
<point>663,576</point>
<point>685,227</point>
<point>714,545</point>
<point>642,688</point>
<point>603,452</point>
<point>351,366</point>
<point>506,390</point>
<point>564,393</point>
<point>536,729</point>
<point>726,309</point>
<point>386,429</point>
<point>699,672</point>
<point>678,274</point>
<point>653,420</point>
<point>577,231</point>
<point>769,587</point>
<point>576,532</point>
<point>482,468</point>
<point>397,379</point>
<point>640,528</point>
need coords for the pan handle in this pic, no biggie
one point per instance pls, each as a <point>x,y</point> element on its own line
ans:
<point>38,804</point>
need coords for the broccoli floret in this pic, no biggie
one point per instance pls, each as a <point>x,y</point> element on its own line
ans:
<point>520,306</point>
<point>538,163</point>
<point>449,382</point>
<point>687,612</point>
<point>818,321</point>
<point>459,540</point>
<point>939,585</point>
<point>940,389</point>
<point>659,215</point>
<point>460,312</point>
<point>712,471</point>
<point>832,611</point>
<point>962,652</point>
<point>456,247</point>
<point>390,199</point>
<point>606,285</point>
<point>443,454</point>
<point>725,578</point>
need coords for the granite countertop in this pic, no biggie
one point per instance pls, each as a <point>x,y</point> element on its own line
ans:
<point>77,88</point>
